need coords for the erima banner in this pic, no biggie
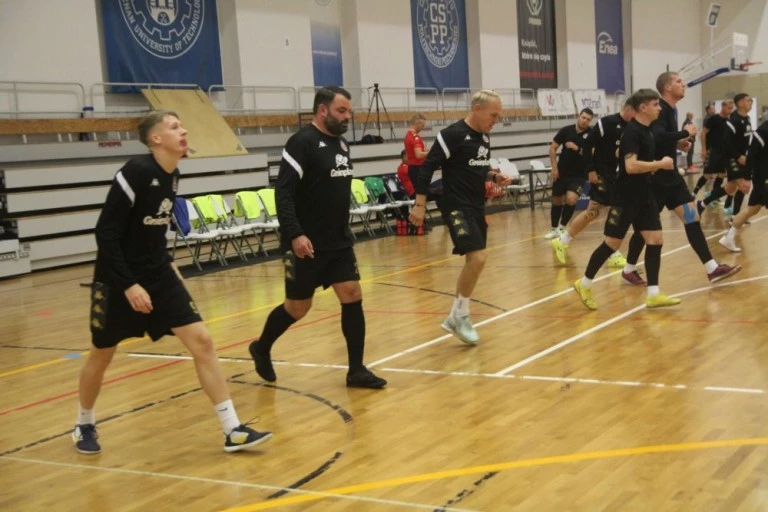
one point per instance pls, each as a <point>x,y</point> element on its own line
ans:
<point>554,102</point>
<point>162,41</point>
<point>439,44</point>
<point>593,99</point>
<point>536,37</point>
<point>608,45</point>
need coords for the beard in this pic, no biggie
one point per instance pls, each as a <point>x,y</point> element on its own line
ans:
<point>334,126</point>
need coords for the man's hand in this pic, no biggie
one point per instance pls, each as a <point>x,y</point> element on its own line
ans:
<point>572,146</point>
<point>742,160</point>
<point>592,177</point>
<point>502,179</point>
<point>302,247</point>
<point>139,299</point>
<point>667,163</point>
<point>684,145</point>
<point>554,174</point>
<point>418,212</point>
<point>691,129</point>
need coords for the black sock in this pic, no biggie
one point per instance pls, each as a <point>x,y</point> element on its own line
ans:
<point>717,191</point>
<point>636,244</point>
<point>567,214</point>
<point>653,264</point>
<point>738,199</point>
<point>599,256</point>
<point>728,202</point>
<point>699,184</point>
<point>557,210</point>
<point>278,322</point>
<point>698,241</point>
<point>353,327</point>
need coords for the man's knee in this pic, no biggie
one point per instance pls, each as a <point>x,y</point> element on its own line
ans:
<point>477,259</point>
<point>298,309</point>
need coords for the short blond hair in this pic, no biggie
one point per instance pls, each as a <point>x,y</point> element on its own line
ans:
<point>150,121</point>
<point>418,117</point>
<point>485,96</point>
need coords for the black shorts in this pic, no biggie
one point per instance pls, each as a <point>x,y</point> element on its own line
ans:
<point>602,191</point>
<point>672,196</point>
<point>413,174</point>
<point>468,229</point>
<point>713,163</point>
<point>566,184</point>
<point>642,216</point>
<point>114,320</point>
<point>736,171</point>
<point>303,275</point>
<point>759,194</point>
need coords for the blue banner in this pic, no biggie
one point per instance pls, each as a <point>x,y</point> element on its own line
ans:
<point>609,46</point>
<point>439,44</point>
<point>162,41</point>
<point>326,54</point>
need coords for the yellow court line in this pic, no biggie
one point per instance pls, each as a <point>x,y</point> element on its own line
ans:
<point>526,463</point>
<point>35,366</point>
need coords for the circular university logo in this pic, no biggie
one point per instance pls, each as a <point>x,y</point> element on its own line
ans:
<point>437,23</point>
<point>165,28</point>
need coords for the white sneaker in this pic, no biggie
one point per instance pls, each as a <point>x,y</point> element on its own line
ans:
<point>553,233</point>
<point>560,231</point>
<point>462,328</point>
<point>729,244</point>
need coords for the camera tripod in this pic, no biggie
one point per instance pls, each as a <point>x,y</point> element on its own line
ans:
<point>379,100</point>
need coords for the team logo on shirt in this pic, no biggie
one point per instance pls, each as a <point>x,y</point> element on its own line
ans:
<point>437,23</point>
<point>165,28</point>
<point>482,157</point>
<point>154,183</point>
<point>342,169</point>
<point>163,215</point>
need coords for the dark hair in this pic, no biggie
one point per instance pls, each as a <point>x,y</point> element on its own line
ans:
<point>664,79</point>
<point>150,121</point>
<point>627,103</point>
<point>326,94</point>
<point>402,153</point>
<point>739,97</point>
<point>587,111</point>
<point>641,97</point>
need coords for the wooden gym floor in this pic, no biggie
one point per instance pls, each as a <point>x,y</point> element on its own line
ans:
<point>557,408</point>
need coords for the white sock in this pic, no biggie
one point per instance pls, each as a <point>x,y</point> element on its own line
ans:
<point>629,268</point>
<point>653,291</point>
<point>731,234</point>
<point>227,416</point>
<point>566,238</point>
<point>460,306</point>
<point>710,266</point>
<point>586,282</point>
<point>85,416</point>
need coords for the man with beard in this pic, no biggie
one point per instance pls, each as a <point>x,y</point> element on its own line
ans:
<point>313,197</point>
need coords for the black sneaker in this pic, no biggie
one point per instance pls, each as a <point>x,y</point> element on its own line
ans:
<point>700,207</point>
<point>262,362</point>
<point>244,437</point>
<point>365,378</point>
<point>85,438</point>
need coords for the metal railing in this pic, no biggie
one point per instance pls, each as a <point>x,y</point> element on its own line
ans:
<point>133,85</point>
<point>285,97</point>
<point>18,87</point>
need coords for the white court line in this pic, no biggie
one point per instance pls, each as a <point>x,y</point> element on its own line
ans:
<point>613,320</point>
<point>261,487</point>
<point>524,307</point>
<point>565,380</point>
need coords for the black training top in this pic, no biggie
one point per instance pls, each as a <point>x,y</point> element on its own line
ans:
<point>715,126</point>
<point>667,136</point>
<point>570,164</point>
<point>736,137</point>
<point>637,140</point>
<point>313,190</point>
<point>604,137</point>
<point>130,232</point>
<point>757,156</point>
<point>464,155</point>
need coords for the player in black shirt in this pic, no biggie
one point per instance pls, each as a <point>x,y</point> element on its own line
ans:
<point>567,171</point>
<point>670,188</point>
<point>712,153</point>
<point>635,204</point>
<point>463,152</point>
<point>600,163</point>
<point>313,197</point>
<point>757,167</point>
<point>137,289</point>
<point>735,142</point>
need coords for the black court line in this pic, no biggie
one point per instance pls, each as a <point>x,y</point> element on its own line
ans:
<point>308,477</point>
<point>449,294</point>
<point>466,492</point>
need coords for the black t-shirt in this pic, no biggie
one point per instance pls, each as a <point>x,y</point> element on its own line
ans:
<point>570,164</point>
<point>757,156</point>
<point>464,155</point>
<point>638,140</point>
<point>715,126</point>
<point>130,232</point>
<point>313,190</point>
<point>604,137</point>
<point>667,136</point>
<point>737,133</point>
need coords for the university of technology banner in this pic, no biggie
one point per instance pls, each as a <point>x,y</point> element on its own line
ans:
<point>439,44</point>
<point>536,36</point>
<point>162,41</point>
<point>608,45</point>
<point>326,54</point>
